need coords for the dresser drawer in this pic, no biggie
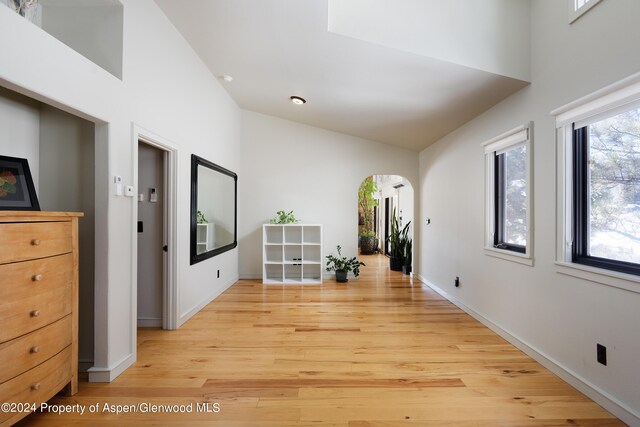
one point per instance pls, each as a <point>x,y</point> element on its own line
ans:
<point>37,385</point>
<point>30,240</point>
<point>26,279</point>
<point>21,354</point>
<point>23,316</point>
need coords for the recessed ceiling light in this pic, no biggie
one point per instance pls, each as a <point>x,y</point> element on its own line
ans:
<point>227,78</point>
<point>297,100</point>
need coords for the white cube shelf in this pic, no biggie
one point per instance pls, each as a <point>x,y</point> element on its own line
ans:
<point>291,253</point>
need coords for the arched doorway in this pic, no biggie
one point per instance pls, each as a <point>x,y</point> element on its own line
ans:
<point>386,208</point>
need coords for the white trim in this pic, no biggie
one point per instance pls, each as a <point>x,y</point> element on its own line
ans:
<point>609,97</point>
<point>601,397</point>
<point>520,135</point>
<point>196,308</point>
<point>108,374</point>
<point>171,174</point>
<point>574,13</point>
<point>508,255</point>
<point>602,103</point>
<point>507,140</point>
<point>628,282</point>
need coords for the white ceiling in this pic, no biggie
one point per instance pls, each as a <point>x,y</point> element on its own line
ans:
<point>358,86</point>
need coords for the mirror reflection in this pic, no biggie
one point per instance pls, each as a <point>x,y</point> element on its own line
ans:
<point>213,209</point>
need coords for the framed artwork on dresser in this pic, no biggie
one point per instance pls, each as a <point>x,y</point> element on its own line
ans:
<point>17,192</point>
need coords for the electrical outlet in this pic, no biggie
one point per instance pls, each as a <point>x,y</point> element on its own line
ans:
<point>456,282</point>
<point>601,354</point>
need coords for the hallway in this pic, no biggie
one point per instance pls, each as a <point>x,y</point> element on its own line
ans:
<point>378,351</point>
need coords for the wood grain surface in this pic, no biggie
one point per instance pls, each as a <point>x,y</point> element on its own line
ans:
<point>381,351</point>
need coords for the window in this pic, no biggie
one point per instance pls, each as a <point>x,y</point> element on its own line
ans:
<point>598,186</point>
<point>578,7</point>
<point>508,196</point>
<point>606,193</point>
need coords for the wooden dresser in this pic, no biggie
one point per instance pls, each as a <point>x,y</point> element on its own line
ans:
<point>38,307</point>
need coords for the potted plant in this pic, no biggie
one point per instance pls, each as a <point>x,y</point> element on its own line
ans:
<point>283,217</point>
<point>343,265</point>
<point>397,243</point>
<point>408,255</point>
<point>366,203</point>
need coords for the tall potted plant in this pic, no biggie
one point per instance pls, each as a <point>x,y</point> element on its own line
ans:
<point>397,243</point>
<point>408,255</point>
<point>366,203</point>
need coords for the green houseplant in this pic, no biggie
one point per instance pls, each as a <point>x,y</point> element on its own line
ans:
<point>366,203</point>
<point>343,265</point>
<point>283,217</point>
<point>408,255</point>
<point>397,243</point>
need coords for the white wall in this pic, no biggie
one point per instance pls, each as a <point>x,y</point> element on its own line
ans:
<point>20,129</point>
<point>195,113</point>
<point>489,35</point>
<point>314,172</point>
<point>93,29</point>
<point>67,183</point>
<point>559,316</point>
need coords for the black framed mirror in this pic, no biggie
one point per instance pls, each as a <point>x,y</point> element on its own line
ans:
<point>214,200</point>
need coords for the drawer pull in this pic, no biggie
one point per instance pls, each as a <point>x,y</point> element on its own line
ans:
<point>35,242</point>
<point>35,386</point>
<point>37,278</point>
<point>35,349</point>
<point>35,313</point>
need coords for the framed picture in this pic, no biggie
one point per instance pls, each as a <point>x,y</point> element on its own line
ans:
<point>17,192</point>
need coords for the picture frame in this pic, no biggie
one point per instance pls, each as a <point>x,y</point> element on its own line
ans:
<point>17,192</point>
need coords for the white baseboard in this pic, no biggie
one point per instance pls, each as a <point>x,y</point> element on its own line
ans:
<point>594,392</point>
<point>195,309</point>
<point>108,374</point>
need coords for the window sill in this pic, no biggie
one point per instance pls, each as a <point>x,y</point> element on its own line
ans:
<point>614,279</point>
<point>509,256</point>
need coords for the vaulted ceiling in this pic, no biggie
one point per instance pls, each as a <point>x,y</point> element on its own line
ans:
<point>404,73</point>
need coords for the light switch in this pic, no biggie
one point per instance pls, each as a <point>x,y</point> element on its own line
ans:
<point>117,180</point>
<point>153,195</point>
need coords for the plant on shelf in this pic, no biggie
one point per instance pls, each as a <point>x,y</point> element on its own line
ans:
<point>201,218</point>
<point>343,265</point>
<point>283,217</point>
<point>397,243</point>
<point>366,203</point>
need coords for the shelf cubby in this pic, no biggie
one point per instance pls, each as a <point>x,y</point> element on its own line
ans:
<point>293,234</point>
<point>273,234</point>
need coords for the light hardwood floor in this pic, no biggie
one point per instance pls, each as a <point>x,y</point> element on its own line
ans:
<point>379,351</point>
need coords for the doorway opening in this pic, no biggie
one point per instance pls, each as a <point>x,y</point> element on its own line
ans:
<point>155,215</point>
<point>384,202</point>
<point>151,235</point>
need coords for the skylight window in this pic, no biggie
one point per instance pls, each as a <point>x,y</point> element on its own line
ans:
<point>578,7</point>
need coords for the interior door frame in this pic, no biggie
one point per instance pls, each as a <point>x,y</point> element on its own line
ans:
<point>170,304</point>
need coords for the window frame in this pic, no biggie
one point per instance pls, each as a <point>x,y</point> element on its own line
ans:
<point>604,102</point>
<point>574,13</point>
<point>580,214</point>
<point>493,148</point>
